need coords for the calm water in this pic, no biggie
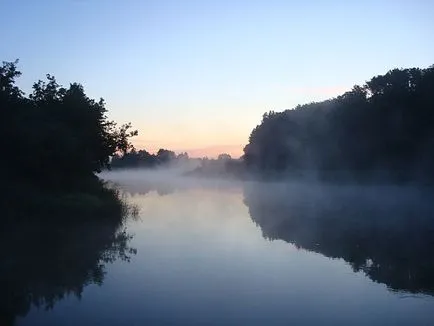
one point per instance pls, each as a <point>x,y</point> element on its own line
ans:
<point>221,253</point>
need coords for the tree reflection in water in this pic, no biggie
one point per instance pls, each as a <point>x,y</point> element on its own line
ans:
<point>386,231</point>
<point>51,252</point>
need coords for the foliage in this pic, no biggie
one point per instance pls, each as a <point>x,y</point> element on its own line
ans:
<point>56,135</point>
<point>384,127</point>
<point>222,167</point>
<point>143,159</point>
<point>60,223</point>
<point>224,157</point>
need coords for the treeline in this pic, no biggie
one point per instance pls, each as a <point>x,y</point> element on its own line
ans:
<point>143,159</point>
<point>55,136</point>
<point>223,166</point>
<point>382,129</point>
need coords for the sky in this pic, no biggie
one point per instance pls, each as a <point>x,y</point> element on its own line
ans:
<point>197,76</point>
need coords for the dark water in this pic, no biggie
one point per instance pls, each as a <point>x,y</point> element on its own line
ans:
<point>220,253</point>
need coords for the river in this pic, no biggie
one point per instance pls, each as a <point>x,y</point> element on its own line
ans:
<point>212,252</point>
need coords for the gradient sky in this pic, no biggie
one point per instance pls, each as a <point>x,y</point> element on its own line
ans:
<point>198,75</point>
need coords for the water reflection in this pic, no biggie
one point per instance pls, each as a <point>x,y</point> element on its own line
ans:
<point>386,232</point>
<point>49,254</point>
<point>202,261</point>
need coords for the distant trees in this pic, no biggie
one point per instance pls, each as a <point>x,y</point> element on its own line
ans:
<point>142,158</point>
<point>224,157</point>
<point>57,135</point>
<point>133,158</point>
<point>165,156</point>
<point>183,157</point>
<point>383,127</point>
<point>222,167</point>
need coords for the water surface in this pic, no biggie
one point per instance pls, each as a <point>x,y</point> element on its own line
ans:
<point>226,253</point>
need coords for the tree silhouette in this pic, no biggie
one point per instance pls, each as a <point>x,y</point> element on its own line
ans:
<point>165,156</point>
<point>224,157</point>
<point>60,223</point>
<point>381,129</point>
<point>143,159</point>
<point>56,135</point>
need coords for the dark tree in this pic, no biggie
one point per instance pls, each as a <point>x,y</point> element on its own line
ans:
<point>56,135</point>
<point>224,157</point>
<point>384,128</point>
<point>165,156</point>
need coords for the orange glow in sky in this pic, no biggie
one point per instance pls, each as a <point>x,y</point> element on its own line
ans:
<point>197,76</point>
<point>210,151</point>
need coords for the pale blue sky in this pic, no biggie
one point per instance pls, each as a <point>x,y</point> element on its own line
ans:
<point>197,74</point>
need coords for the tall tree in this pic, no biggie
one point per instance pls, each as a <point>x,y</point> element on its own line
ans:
<point>383,127</point>
<point>55,134</point>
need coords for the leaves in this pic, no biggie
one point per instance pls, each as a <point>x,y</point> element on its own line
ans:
<point>58,133</point>
<point>385,125</point>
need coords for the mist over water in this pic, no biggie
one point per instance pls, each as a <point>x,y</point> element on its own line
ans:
<point>142,181</point>
<point>227,252</point>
